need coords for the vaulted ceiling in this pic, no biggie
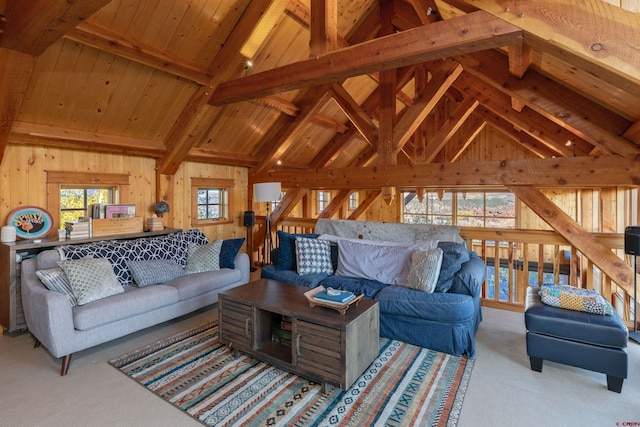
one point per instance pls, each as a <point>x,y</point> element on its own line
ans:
<point>345,88</point>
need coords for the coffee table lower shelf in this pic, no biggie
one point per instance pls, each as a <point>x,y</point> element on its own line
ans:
<point>323,345</point>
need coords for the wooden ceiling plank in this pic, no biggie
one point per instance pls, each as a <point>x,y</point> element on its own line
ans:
<point>15,72</point>
<point>424,103</point>
<point>468,33</point>
<point>567,172</point>
<point>450,127</point>
<point>178,141</point>
<point>633,132</point>
<point>591,122</point>
<point>119,45</point>
<point>354,112</point>
<point>323,27</point>
<point>33,26</point>
<point>601,255</point>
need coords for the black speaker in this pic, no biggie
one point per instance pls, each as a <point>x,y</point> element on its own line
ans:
<point>249,219</point>
<point>632,240</point>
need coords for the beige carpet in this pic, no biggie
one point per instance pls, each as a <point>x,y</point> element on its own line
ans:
<point>503,391</point>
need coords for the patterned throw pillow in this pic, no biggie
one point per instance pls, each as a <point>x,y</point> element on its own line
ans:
<point>424,269</point>
<point>153,271</point>
<point>55,280</point>
<point>204,258</point>
<point>313,256</point>
<point>578,299</point>
<point>91,279</point>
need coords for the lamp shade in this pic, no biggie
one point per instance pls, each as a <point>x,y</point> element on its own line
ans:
<point>266,191</point>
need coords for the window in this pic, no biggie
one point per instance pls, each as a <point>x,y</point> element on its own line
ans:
<point>353,201</point>
<point>75,201</point>
<point>324,197</point>
<point>88,186</point>
<point>210,201</point>
<point>466,209</point>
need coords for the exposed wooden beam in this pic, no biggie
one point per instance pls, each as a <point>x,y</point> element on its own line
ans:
<point>35,25</point>
<point>372,196</point>
<point>450,127</point>
<point>519,59</point>
<point>179,141</point>
<point>567,108</point>
<point>203,155</point>
<point>120,45</point>
<point>464,137</point>
<point>424,103</point>
<point>324,27</point>
<point>32,133</point>
<point>337,200</point>
<point>468,33</point>
<point>568,172</point>
<point>15,71</point>
<point>601,255</point>
<point>354,112</point>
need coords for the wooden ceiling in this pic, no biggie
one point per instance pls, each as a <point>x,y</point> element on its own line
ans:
<point>284,86</point>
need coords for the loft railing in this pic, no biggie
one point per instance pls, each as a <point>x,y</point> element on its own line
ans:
<point>527,258</point>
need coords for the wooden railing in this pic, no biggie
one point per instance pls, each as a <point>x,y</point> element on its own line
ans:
<point>525,258</point>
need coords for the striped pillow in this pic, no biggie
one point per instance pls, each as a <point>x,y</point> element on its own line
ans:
<point>55,280</point>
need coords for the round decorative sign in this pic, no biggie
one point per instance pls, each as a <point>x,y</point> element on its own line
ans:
<point>31,222</point>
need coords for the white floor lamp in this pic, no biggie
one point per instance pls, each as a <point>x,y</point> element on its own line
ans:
<point>267,192</point>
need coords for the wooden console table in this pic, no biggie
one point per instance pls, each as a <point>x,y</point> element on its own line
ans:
<point>11,254</point>
<point>325,346</point>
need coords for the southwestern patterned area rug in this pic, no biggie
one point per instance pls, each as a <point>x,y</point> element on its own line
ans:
<point>404,386</point>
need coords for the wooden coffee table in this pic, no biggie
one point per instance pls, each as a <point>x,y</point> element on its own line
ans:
<point>322,344</point>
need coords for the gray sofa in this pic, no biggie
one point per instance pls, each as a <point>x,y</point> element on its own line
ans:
<point>65,329</point>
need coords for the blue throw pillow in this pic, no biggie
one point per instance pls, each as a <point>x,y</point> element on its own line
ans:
<point>453,256</point>
<point>228,252</point>
<point>287,249</point>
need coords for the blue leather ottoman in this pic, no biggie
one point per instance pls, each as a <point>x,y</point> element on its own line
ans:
<point>590,341</point>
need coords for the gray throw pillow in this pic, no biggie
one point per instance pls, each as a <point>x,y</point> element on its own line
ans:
<point>204,257</point>
<point>91,279</point>
<point>313,256</point>
<point>154,271</point>
<point>424,269</point>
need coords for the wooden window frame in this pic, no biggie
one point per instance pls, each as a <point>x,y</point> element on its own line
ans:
<point>199,183</point>
<point>56,179</point>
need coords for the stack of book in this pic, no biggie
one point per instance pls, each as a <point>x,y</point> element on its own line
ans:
<point>78,230</point>
<point>155,224</point>
<point>334,296</point>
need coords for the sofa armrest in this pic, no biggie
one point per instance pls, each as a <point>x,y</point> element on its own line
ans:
<point>48,313</point>
<point>243,264</point>
<point>468,280</point>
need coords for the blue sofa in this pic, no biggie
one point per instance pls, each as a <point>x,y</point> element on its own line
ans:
<point>445,320</point>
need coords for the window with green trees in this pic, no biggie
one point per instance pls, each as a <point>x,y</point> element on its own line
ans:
<point>75,201</point>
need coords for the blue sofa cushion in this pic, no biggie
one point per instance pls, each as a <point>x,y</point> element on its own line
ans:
<point>454,255</point>
<point>228,252</point>
<point>369,288</point>
<point>439,307</point>
<point>287,249</point>
<point>290,276</point>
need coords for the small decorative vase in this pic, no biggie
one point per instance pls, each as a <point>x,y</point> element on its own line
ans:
<point>8,234</point>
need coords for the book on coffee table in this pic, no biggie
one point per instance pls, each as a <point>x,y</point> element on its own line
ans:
<point>334,295</point>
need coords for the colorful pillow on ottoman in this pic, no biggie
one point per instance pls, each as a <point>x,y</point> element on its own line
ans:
<point>577,299</point>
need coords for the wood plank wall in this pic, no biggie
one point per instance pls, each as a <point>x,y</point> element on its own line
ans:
<point>23,182</point>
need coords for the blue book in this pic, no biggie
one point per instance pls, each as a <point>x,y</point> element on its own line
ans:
<point>335,295</point>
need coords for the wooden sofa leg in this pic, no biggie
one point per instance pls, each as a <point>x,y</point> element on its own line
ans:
<point>66,361</point>
<point>614,383</point>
